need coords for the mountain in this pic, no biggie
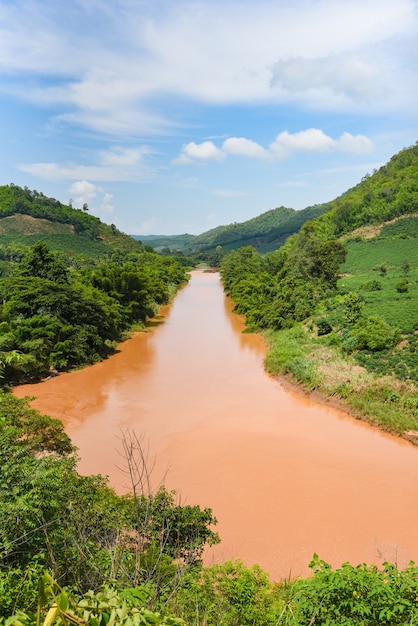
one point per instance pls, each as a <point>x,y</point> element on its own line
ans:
<point>160,242</point>
<point>28,215</point>
<point>265,232</point>
<point>388,193</point>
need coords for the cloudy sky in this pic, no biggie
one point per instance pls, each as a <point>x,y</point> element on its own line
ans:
<point>173,116</point>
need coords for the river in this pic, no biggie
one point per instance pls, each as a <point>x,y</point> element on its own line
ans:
<point>284,476</point>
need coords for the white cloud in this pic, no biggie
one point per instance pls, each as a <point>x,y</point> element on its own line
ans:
<point>83,191</point>
<point>315,140</point>
<point>343,78</point>
<point>206,151</point>
<point>310,140</point>
<point>245,147</point>
<point>115,164</point>
<point>122,157</point>
<point>106,205</point>
<point>358,144</point>
<point>106,65</point>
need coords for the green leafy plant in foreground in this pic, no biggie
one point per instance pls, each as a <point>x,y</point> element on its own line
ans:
<point>351,595</point>
<point>109,606</point>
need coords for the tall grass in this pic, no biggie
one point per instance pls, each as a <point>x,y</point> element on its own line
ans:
<point>318,364</point>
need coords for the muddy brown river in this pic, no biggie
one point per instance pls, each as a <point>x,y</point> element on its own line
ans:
<point>284,476</point>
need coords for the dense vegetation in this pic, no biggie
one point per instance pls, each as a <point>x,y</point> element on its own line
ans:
<point>76,526</point>
<point>28,215</point>
<point>265,232</point>
<point>339,300</point>
<point>70,285</point>
<point>54,317</point>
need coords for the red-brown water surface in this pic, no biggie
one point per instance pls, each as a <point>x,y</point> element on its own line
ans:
<point>284,476</point>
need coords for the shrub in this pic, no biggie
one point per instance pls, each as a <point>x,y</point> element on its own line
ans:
<point>324,327</point>
<point>374,334</point>
<point>402,286</point>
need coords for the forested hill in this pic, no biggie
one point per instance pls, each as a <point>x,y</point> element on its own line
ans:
<point>265,232</point>
<point>384,195</point>
<point>28,215</point>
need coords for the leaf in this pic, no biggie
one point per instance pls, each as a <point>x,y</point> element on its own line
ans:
<point>52,614</point>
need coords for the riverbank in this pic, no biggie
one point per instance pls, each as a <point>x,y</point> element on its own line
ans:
<point>301,360</point>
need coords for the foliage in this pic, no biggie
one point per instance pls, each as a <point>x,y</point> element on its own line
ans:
<point>402,286</point>
<point>352,595</point>
<point>284,287</point>
<point>227,594</point>
<point>76,526</point>
<point>110,606</point>
<point>16,201</point>
<point>55,317</point>
<point>265,232</point>
<point>388,193</point>
<point>232,594</point>
<point>374,334</point>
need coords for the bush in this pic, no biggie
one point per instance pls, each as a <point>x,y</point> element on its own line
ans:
<point>324,327</point>
<point>402,286</point>
<point>374,334</point>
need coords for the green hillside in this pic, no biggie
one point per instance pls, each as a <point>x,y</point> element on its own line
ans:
<point>161,242</point>
<point>339,300</point>
<point>71,286</point>
<point>265,232</point>
<point>26,216</point>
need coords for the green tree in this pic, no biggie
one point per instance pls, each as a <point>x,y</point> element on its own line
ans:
<point>374,334</point>
<point>41,262</point>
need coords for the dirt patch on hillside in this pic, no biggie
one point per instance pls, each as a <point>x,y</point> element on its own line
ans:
<point>370,231</point>
<point>27,225</point>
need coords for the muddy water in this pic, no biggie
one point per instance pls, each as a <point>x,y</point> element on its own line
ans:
<point>285,477</point>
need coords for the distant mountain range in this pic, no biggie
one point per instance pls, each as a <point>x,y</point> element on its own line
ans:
<point>266,232</point>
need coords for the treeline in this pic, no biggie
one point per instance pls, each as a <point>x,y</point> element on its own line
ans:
<point>283,287</point>
<point>289,285</point>
<point>54,316</point>
<point>388,193</point>
<point>73,552</point>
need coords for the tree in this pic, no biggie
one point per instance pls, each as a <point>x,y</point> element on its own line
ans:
<point>41,262</point>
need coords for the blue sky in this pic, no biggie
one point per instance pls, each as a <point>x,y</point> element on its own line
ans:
<point>173,116</point>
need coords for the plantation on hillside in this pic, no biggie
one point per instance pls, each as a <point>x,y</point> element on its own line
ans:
<point>28,215</point>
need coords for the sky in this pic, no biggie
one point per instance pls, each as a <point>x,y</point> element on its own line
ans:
<point>176,116</point>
